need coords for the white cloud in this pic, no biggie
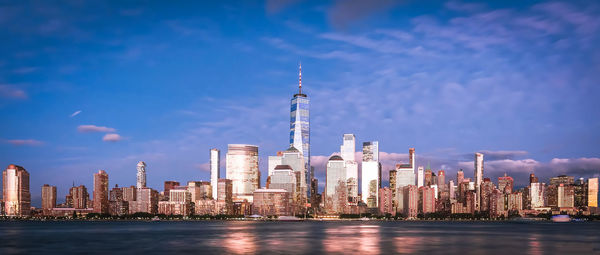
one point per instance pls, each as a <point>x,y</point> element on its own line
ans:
<point>94,128</point>
<point>75,113</point>
<point>111,138</point>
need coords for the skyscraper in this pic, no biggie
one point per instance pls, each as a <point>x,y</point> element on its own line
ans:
<point>242,170</point>
<point>101,192</point>
<point>420,177</point>
<point>17,199</point>
<point>335,185</point>
<point>505,184</point>
<point>48,199</point>
<point>141,175</point>
<point>371,174</point>
<point>478,179</point>
<point>347,151</point>
<point>592,192</point>
<point>300,126</point>
<point>79,197</point>
<point>215,175</point>
<point>460,176</point>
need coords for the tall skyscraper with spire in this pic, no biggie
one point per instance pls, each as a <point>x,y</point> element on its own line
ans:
<point>300,126</point>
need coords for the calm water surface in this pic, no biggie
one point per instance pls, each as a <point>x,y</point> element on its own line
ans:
<point>229,237</point>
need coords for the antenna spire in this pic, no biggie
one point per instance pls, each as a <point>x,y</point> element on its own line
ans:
<point>300,79</point>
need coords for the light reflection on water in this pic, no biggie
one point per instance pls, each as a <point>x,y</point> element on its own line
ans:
<point>210,237</point>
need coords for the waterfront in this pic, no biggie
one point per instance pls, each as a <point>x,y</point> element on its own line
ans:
<point>250,237</point>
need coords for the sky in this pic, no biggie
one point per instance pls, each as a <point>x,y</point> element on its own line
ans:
<point>89,85</point>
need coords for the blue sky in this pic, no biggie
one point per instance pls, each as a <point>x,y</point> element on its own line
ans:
<point>103,84</point>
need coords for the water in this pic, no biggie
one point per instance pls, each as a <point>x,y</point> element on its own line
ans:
<point>248,237</point>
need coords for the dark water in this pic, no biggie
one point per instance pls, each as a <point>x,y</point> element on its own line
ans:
<point>231,237</point>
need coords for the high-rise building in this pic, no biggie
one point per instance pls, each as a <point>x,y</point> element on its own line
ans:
<point>592,194</point>
<point>405,173</point>
<point>146,201</point>
<point>533,178</point>
<point>242,170</point>
<point>371,174</point>
<point>224,197</point>
<point>141,175</point>
<point>441,180</point>
<point>79,196</point>
<point>284,177</point>
<point>215,173</point>
<point>168,186</point>
<point>347,151</point>
<point>562,179</point>
<point>497,203</point>
<point>486,191</point>
<point>274,161</point>
<point>452,190</point>
<point>101,192</point>
<point>515,201</point>
<point>427,199</point>
<point>48,199</point>
<point>478,175</point>
<point>129,193</point>
<point>537,194</point>
<point>116,204</point>
<point>420,177</point>
<point>300,126</point>
<point>566,196</point>
<point>293,158</point>
<point>336,192</point>
<point>460,176</point>
<point>505,184</point>
<point>385,201</point>
<point>17,199</point>
<point>199,190</point>
<point>395,195</point>
<point>428,177</point>
<point>411,201</point>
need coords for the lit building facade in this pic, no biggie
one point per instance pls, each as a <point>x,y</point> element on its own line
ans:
<point>79,196</point>
<point>592,194</point>
<point>411,201</point>
<point>215,171</point>
<point>427,200</point>
<point>242,170</point>
<point>225,197</point>
<point>101,192</point>
<point>146,201</point>
<point>505,184</point>
<point>347,151</point>
<point>537,194</point>
<point>385,201</point>
<point>271,202</point>
<point>15,191</point>
<point>371,174</point>
<point>478,175</point>
<point>335,185</point>
<point>420,176</point>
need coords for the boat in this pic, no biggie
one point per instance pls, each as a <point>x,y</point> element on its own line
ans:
<point>561,218</point>
<point>156,218</point>
<point>289,218</point>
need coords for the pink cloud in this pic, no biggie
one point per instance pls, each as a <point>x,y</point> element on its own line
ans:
<point>94,128</point>
<point>25,142</point>
<point>10,91</point>
<point>112,138</point>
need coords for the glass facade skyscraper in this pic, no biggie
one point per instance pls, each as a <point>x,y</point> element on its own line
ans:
<point>300,127</point>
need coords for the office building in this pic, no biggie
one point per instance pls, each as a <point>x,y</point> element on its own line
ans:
<point>300,127</point>
<point>371,174</point>
<point>336,192</point>
<point>116,204</point>
<point>592,194</point>
<point>242,170</point>
<point>411,201</point>
<point>348,151</point>
<point>168,186</point>
<point>478,175</point>
<point>505,184</point>
<point>146,201</point>
<point>15,191</point>
<point>215,171</point>
<point>224,197</point>
<point>537,195</point>
<point>566,196</point>
<point>79,196</point>
<point>385,202</point>
<point>420,176</point>
<point>427,200</point>
<point>129,193</point>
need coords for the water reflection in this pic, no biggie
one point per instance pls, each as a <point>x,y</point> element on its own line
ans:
<point>535,247</point>
<point>362,239</point>
<point>406,244</point>
<point>240,238</point>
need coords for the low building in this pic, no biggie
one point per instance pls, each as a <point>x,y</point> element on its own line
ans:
<point>206,207</point>
<point>271,202</point>
<point>174,208</point>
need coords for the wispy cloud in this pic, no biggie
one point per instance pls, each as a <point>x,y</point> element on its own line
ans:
<point>25,142</point>
<point>112,138</point>
<point>75,113</point>
<point>344,12</point>
<point>94,128</point>
<point>10,91</point>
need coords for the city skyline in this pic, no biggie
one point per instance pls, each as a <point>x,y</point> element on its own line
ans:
<point>109,104</point>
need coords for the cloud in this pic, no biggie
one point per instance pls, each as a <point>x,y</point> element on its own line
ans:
<point>10,91</point>
<point>75,113</point>
<point>203,167</point>
<point>25,142</point>
<point>496,155</point>
<point>344,12</point>
<point>112,138</point>
<point>94,128</point>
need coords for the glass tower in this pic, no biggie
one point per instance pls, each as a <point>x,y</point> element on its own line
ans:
<point>300,127</point>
